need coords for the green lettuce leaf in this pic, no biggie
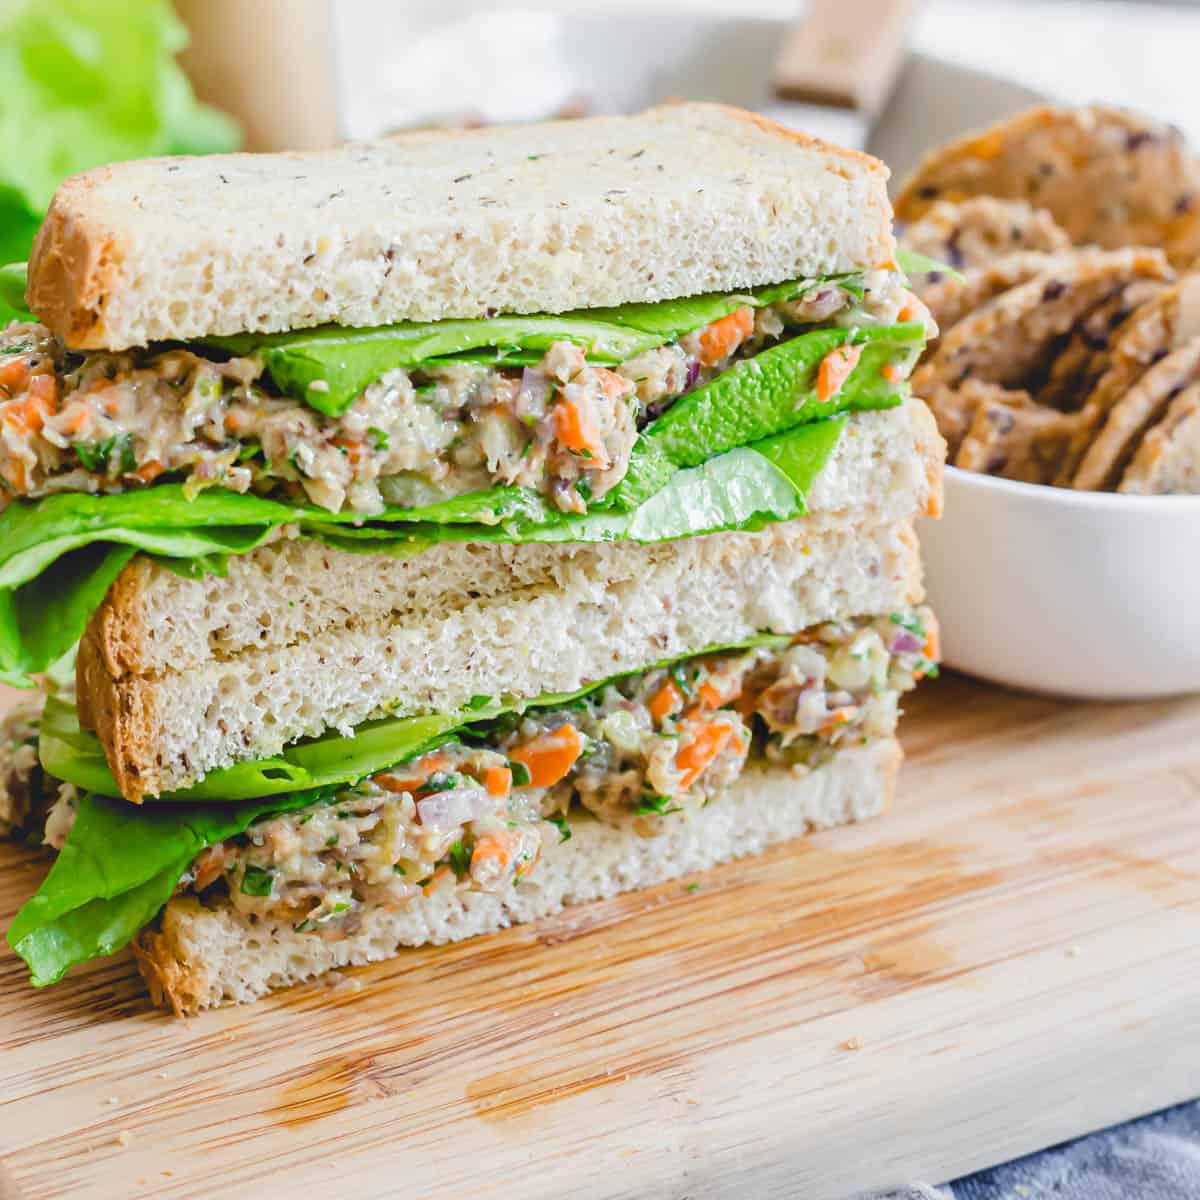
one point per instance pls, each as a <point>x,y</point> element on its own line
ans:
<point>761,396</point>
<point>16,234</point>
<point>118,867</point>
<point>121,862</point>
<point>58,556</point>
<point>913,262</point>
<point>87,82</point>
<point>342,361</point>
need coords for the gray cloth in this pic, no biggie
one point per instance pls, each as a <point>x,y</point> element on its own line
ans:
<point>1155,1158</point>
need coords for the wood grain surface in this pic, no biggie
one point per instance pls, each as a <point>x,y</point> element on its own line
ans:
<point>1010,958</point>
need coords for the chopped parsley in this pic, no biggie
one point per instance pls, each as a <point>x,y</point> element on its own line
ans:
<point>657,806</point>
<point>520,774</point>
<point>97,456</point>
<point>477,702</point>
<point>563,826</point>
<point>679,674</point>
<point>441,781</point>
<point>379,439</point>
<point>257,882</point>
<point>459,859</point>
<point>909,622</point>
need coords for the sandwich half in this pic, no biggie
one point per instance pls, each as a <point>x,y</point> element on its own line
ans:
<point>452,529</point>
<point>620,329</point>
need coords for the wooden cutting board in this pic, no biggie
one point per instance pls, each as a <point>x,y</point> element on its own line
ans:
<point>1010,958</point>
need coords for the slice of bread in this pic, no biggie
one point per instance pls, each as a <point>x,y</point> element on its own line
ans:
<point>163,732</point>
<point>533,218</point>
<point>199,957</point>
<point>887,465</point>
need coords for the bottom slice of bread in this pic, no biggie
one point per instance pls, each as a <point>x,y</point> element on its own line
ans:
<point>200,957</point>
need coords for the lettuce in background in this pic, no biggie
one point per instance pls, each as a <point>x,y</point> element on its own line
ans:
<point>85,82</point>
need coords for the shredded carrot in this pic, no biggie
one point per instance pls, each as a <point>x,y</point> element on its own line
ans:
<point>497,781</point>
<point>723,337</point>
<point>908,312</point>
<point>549,756</point>
<point>354,450</point>
<point>613,384</point>
<point>576,430</point>
<point>931,650</point>
<point>710,695</point>
<point>707,742</point>
<point>14,375</point>
<point>150,471</point>
<point>890,372</point>
<point>422,768</point>
<point>16,474</point>
<point>667,700</point>
<point>888,265</point>
<point>233,422</point>
<point>497,846</point>
<point>837,718</point>
<point>437,879</point>
<point>835,369</point>
<point>78,418</point>
<point>29,415</point>
<point>524,867</point>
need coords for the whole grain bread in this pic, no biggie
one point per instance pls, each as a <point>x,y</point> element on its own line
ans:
<point>546,217</point>
<point>197,957</point>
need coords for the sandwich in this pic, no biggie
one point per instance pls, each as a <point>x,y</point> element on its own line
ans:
<point>451,529</point>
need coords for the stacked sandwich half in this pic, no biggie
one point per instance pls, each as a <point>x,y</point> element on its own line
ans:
<point>452,529</point>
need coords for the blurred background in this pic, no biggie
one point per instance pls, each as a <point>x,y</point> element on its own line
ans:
<point>92,81</point>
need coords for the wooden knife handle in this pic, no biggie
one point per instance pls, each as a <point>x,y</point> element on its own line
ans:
<point>845,53</point>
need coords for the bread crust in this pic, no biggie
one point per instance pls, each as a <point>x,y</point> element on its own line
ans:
<point>73,264</point>
<point>121,716</point>
<point>110,240</point>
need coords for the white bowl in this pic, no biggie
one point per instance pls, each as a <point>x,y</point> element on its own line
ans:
<point>1083,594</point>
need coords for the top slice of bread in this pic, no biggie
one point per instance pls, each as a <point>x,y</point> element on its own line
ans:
<point>674,201</point>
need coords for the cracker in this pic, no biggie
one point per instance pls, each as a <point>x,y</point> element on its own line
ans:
<point>1011,337</point>
<point>1085,357</point>
<point>1166,322</point>
<point>1168,460</point>
<point>1133,414</point>
<point>980,230</point>
<point>950,299</point>
<point>1107,176</point>
<point>955,408</point>
<point>1023,443</point>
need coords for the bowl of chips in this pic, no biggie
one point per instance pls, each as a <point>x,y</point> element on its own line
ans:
<point>1066,381</point>
<point>1070,593</point>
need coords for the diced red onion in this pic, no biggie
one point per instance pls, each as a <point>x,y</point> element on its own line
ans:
<point>456,806</point>
<point>906,643</point>
<point>535,391</point>
<point>693,373</point>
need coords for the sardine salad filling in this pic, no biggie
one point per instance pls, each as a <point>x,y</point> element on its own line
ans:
<point>109,422</point>
<point>27,793</point>
<point>638,752</point>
